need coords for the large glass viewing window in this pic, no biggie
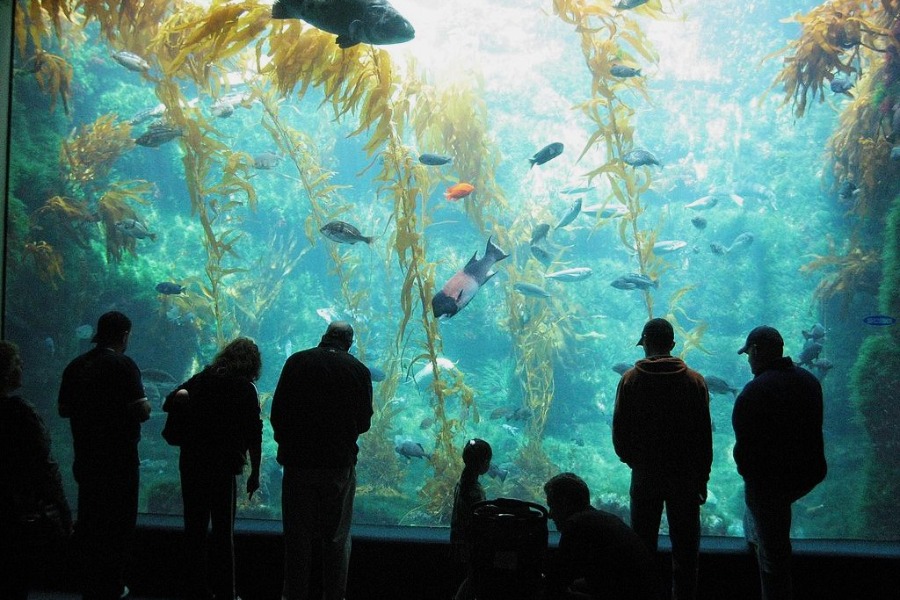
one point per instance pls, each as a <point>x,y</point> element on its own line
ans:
<point>723,165</point>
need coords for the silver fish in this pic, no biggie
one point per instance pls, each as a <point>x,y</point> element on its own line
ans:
<point>570,216</point>
<point>666,246</point>
<point>741,241</point>
<point>604,211</point>
<point>573,274</point>
<point>541,255</point>
<point>704,203</point>
<point>634,281</point>
<point>530,289</point>
<point>134,228</point>
<point>131,61</point>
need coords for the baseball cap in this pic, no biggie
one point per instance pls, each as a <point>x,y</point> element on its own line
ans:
<point>111,326</point>
<point>658,330</point>
<point>763,337</point>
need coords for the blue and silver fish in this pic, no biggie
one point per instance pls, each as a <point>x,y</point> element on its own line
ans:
<point>570,215</point>
<point>530,289</point>
<point>639,158</point>
<point>573,274</point>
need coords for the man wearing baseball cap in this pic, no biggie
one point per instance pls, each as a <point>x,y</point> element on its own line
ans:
<point>662,430</point>
<point>779,451</point>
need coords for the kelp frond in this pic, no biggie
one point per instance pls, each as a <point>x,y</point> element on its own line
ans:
<point>54,76</point>
<point>114,207</point>
<point>31,22</point>
<point>128,25</point>
<point>192,40</point>
<point>92,151</point>
<point>855,271</point>
<point>829,44</point>
<point>48,261</point>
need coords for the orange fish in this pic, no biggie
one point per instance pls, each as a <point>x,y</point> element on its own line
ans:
<point>460,190</point>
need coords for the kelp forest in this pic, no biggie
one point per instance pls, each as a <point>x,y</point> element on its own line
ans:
<point>214,172</point>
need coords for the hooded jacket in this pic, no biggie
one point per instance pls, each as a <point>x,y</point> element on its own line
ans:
<point>661,422</point>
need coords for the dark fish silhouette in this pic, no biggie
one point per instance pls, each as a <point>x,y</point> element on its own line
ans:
<point>168,288</point>
<point>623,71</point>
<point>158,134</point>
<point>634,281</point>
<point>548,152</point>
<point>463,286</point>
<point>640,158</point>
<point>434,160</point>
<point>352,21</point>
<point>539,233</point>
<point>717,385</point>
<point>344,233</point>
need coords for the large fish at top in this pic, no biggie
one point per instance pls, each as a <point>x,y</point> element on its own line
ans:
<point>463,286</point>
<point>353,21</point>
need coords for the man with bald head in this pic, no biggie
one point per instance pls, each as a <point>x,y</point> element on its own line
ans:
<point>322,403</point>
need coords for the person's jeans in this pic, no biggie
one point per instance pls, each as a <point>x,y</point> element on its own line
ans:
<point>317,504</point>
<point>209,494</point>
<point>767,526</point>
<point>649,493</point>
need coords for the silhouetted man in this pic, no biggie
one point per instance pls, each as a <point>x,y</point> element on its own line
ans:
<point>662,430</point>
<point>102,395</point>
<point>599,556</point>
<point>779,451</point>
<point>322,403</point>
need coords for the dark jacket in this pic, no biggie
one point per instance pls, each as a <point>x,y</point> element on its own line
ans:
<point>467,493</point>
<point>225,419</point>
<point>777,422</point>
<point>600,548</point>
<point>661,422</point>
<point>28,473</point>
<point>322,403</point>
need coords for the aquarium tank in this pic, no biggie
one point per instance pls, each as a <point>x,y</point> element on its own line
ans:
<point>214,172</point>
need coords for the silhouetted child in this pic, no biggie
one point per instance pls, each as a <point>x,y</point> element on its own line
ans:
<point>477,456</point>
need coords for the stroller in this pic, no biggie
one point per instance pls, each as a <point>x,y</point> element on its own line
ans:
<point>509,541</point>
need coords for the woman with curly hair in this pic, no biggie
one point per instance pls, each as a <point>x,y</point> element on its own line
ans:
<point>222,409</point>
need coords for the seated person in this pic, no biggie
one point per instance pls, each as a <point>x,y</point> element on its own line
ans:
<point>599,556</point>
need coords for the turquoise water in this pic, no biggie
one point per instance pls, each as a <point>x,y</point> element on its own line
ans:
<point>256,165</point>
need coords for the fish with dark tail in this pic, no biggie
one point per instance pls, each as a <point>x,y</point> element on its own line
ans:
<point>344,233</point>
<point>548,152</point>
<point>352,21</point>
<point>463,286</point>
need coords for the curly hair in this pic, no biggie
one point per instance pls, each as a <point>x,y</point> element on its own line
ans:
<point>241,358</point>
<point>9,359</point>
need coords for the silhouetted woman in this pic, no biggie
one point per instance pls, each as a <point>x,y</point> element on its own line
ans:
<point>224,411</point>
<point>29,483</point>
